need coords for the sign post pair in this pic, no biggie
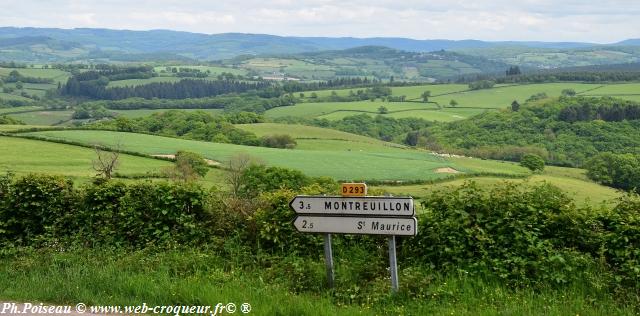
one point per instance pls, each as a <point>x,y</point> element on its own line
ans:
<point>356,213</point>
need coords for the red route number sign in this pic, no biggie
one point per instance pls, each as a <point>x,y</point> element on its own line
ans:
<point>354,189</point>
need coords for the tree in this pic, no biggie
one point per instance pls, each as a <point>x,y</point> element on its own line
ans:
<point>568,92</point>
<point>453,103</point>
<point>532,162</point>
<point>513,71</point>
<point>383,110</point>
<point>236,167</point>
<point>189,166</point>
<point>19,85</point>
<point>106,162</point>
<point>515,106</point>
<point>425,96</point>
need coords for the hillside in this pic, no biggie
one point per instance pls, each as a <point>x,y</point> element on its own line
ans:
<point>51,44</point>
<point>340,160</point>
<point>566,131</point>
<point>370,61</point>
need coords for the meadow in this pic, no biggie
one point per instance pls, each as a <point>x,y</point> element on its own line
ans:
<point>147,112</point>
<point>44,117</point>
<point>23,156</point>
<point>338,162</point>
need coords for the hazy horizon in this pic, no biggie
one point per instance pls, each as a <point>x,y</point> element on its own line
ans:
<point>488,20</point>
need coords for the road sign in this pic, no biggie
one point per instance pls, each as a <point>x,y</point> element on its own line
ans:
<point>354,189</point>
<point>368,205</point>
<point>407,226</point>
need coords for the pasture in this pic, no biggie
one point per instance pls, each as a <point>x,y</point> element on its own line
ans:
<point>341,164</point>
<point>44,117</point>
<point>23,156</point>
<point>147,112</point>
<point>571,181</point>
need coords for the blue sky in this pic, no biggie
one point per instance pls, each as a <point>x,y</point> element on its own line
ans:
<point>546,20</point>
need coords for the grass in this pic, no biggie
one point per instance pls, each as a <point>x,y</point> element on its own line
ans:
<point>197,277</point>
<point>311,110</point>
<point>10,96</point>
<point>43,117</point>
<point>19,109</point>
<point>322,139</point>
<point>56,74</point>
<point>142,113</point>
<point>617,89</point>
<point>8,128</point>
<point>139,82</point>
<point>105,278</point>
<point>571,181</point>
<point>469,102</point>
<point>397,164</point>
<point>27,156</point>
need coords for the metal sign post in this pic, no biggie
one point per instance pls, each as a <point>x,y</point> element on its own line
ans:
<point>356,213</point>
<point>393,264</point>
<point>328,259</point>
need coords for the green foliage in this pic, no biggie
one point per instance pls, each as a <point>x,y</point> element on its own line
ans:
<point>197,125</point>
<point>542,126</point>
<point>537,96</point>
<point>616,170</point>
<point>259,178</point>
<point>189,166</point>
<point>39,209</point>
<point>7,120</point>
<point>522,235</point>
<point>568,92</point>
<point>532,162</point>
<point>481,84</point>
<point>622,240</point>
<point>32,207</point>
<point>278,141</point>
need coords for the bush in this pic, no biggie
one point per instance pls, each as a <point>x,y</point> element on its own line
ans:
<point>278,141</point>
<point>514,232</point>
<point>532,162</point>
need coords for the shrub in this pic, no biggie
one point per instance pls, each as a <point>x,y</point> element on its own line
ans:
<point>511,231</point>
<point>278,141</point>
<point>532,162</point>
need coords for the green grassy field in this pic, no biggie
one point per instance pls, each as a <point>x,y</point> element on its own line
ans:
<point>19,109</point>
<point>25,156</point>
<point>338,162</point>
<point>142,113</point>
<point>316,138</point>
<point>11,96</point>
<point>43,117</point>
<point>8,128</point>
<point>139,82</point>
<point>572,181</point>
<point>56,74</point>
<point>616,89</point>
<point>411,92</point>
<point>311,110</point>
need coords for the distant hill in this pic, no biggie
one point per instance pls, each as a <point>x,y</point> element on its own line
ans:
<point>47,44</point>
<point>371,61</point>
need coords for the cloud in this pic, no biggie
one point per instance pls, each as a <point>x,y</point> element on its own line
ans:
<point>551,20</point>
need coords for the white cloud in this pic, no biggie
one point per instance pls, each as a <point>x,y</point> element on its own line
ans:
<point>550,20</point>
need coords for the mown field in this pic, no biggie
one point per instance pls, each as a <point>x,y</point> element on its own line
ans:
<point>339,162</point>
<point>25,156</point>
<point>469,102</point>
<point>43,117</point>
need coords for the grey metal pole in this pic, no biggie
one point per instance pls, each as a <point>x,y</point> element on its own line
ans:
<point>393,263</point>
<point>328,259</point>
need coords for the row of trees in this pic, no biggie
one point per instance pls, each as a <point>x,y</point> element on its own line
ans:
<point>615,111</point>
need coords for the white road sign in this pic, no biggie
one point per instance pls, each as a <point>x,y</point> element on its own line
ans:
<point>357,225</point>
<point>366,205</point>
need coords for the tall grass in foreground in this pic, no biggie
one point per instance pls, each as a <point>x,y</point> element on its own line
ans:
<point>189,277</point>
